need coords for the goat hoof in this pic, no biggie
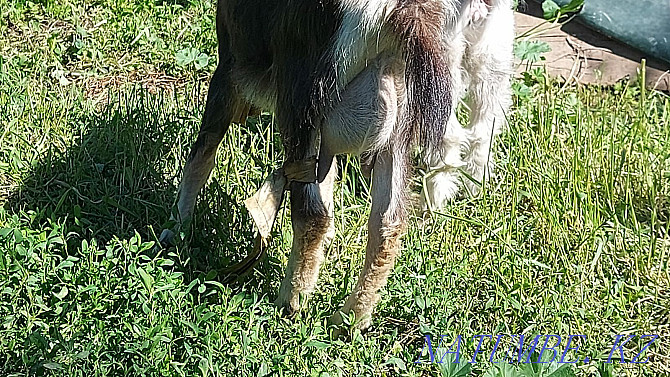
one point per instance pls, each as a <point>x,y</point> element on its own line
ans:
<point>285,308</point>
<point>338,333</point>
<point>341,328</point>
<point>336,319</point>
<point>166,238</point>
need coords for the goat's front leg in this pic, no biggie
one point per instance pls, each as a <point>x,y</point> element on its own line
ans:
<point>312,233</point>
<point>219,111</point>
<point>385,226</point>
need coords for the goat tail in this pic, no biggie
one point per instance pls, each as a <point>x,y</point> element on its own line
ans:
<point>419,26</point>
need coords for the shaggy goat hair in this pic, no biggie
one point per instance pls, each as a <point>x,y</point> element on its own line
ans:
<point>378,78</point>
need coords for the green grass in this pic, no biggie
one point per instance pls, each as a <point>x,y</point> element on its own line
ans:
<point>99,102</point>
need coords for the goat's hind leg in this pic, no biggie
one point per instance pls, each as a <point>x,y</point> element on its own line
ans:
<point>219,111</point>
<point>310,215</point>
<point>312,232</point>
<point>367,103</point>
<point>488,61</point>
<point>442,179</point>
<point>385,227</point>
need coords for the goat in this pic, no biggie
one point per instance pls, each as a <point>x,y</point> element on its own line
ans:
<point>372,77</point>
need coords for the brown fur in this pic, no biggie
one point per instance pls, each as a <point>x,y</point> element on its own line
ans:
<point>418,24</point>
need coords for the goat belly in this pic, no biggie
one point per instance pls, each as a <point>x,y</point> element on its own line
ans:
<point>364,114</point>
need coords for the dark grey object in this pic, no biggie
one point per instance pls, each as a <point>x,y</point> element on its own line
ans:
<point>643,24</point>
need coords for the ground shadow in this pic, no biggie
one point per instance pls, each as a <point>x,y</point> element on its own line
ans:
<point>117,178</point>
<point>108,182</point>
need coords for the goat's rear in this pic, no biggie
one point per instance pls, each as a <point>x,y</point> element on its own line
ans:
<point>319,63</point>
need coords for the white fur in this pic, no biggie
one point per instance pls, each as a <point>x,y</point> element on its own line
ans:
<point>366,111</point>
<point>478,35</point>
<point>480,55</point>
<point>360,36</point>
